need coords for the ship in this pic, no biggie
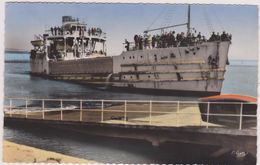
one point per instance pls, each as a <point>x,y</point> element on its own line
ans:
<point>184,65</point>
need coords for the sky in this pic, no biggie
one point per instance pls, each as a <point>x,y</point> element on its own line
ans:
<point>123,21</point>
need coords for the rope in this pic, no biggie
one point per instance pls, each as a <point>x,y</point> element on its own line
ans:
<point>168,17</point>
<point>207,19</point>
<point>217,19</point>
<point>159,15</point>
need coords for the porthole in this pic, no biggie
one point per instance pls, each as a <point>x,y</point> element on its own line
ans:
<point>133,57</point>
<point>130,57</point>
<point>172,55</point>
<point>149,76</point>
<point>131,77</point>
<point>123,58</point>
<point>141,56</point>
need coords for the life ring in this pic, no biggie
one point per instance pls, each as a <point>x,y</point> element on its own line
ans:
<point>67,32</point>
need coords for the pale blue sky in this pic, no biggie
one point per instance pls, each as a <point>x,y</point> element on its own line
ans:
<point>121,21</point>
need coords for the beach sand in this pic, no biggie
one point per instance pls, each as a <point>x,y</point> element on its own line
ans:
<point>17,153</point>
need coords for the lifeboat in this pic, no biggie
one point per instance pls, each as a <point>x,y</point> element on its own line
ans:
<point>226,110</point>
<point>37,43</point>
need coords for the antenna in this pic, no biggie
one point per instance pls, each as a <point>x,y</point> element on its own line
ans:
<point>188,21</point>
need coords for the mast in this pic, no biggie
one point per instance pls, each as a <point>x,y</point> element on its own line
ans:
<point>188,21</point>
<point>166,27</point>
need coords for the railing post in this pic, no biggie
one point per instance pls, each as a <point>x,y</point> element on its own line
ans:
<point>10,107</point>
<point>80,119</point>
<point>150,112</point>
<point>102,110</point>
<point>177,113</point>
<point>208,115</point>
<point>241,116</point>
<point>125,112</point>
<point>26,109</point>
<point>43,109</point>
<point>61,112</point>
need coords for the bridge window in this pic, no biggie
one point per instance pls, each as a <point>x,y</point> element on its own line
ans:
<point>73,28</point>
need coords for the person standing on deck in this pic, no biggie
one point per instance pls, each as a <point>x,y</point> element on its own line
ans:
<point>55,30</point>
<point>140,42</point>
<point>136,39</point>
<point>153,41</point>
<point>51,30</point>
<point>173,40</point>
<point>127,44</point>
<point>149,39</point>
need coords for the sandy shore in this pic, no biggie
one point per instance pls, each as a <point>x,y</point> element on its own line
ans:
<point>17,153</point>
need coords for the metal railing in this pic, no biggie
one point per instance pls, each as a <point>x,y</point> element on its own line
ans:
<point>138,112</point>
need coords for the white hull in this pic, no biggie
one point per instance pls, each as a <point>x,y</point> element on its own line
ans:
<point>177,68</point>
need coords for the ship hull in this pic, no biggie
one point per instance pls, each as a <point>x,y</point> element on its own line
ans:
<point>164,92</point>
<point>103,85</point>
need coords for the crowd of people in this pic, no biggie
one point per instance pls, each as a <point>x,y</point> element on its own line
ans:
<point>223,37</point>
<point>56,31</point>
<point>94,31</point>
<point>170,39</point>
<point>60,31</point>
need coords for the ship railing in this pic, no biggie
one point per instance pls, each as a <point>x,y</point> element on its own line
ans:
<point>135,46</point>
<point>96,34</point>
<point>237,115</point>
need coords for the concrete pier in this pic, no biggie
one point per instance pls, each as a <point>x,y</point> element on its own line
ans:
<point>242,140</point>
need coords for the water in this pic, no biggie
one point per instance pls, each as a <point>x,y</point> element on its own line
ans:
<point>17,56</point>
<point>239,79</point>
<point>105,150</point>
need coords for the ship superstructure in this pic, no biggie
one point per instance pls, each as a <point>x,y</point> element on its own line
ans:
<point>169,63</point>
<point>66,50</point>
